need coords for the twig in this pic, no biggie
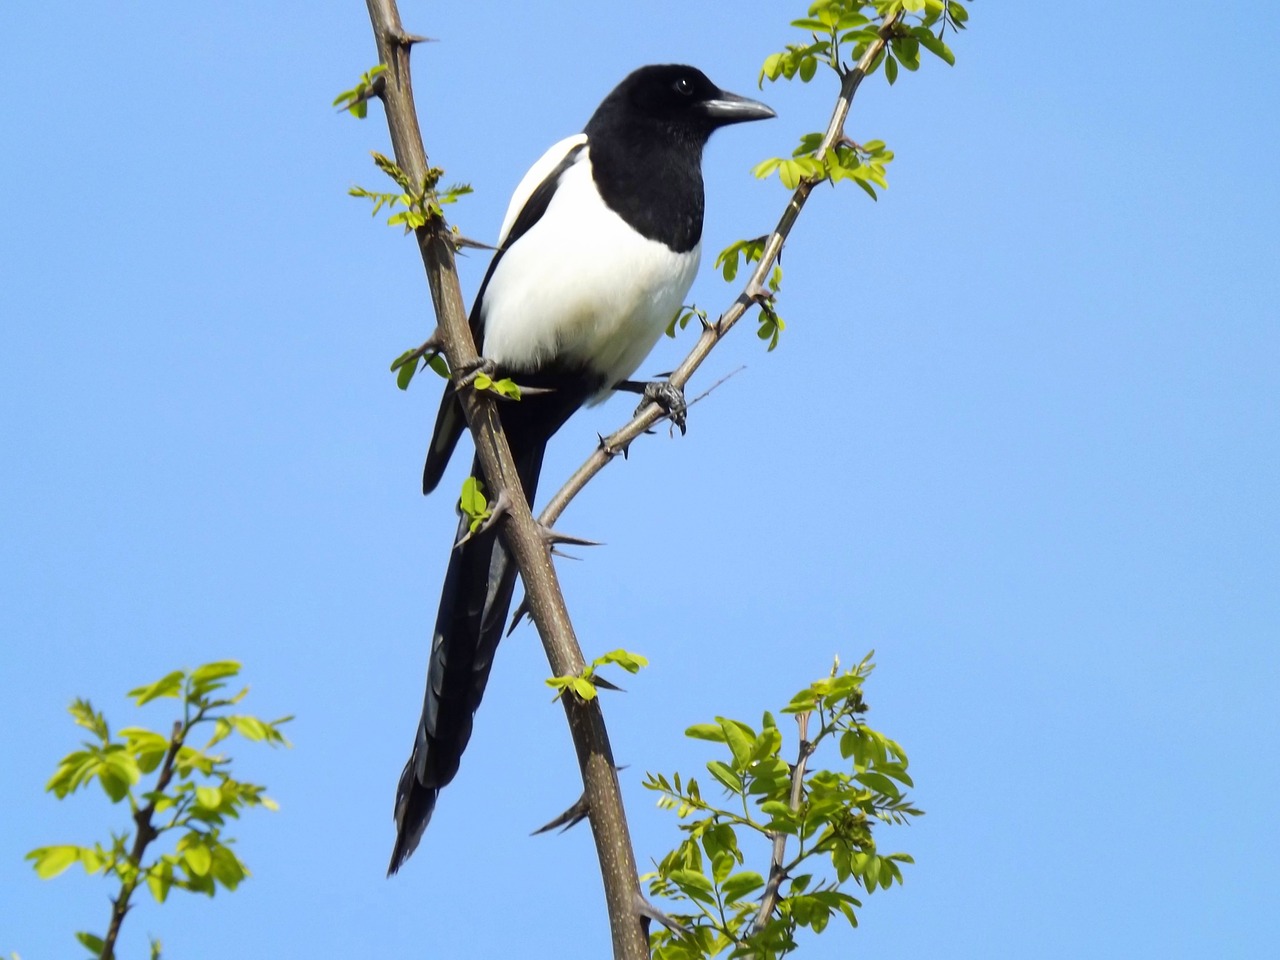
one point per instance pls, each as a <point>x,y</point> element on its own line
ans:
<point>713,333</point>
<point>146,832</point>
<point>777,862</point>
<point>519,530</point>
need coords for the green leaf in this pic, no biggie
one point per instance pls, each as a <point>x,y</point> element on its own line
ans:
<point>91,943</point>
<point>739,743</point>
<point>630,662</point>
<point>721,771</point>
<point>51,861</point>
<point>739,885</point>
<point>198,858</point>
<point>209,797</point>
<point>584,688</point>
<point>405,372</point>
<point>891,70</point>
<point>693,883</point>
<point>706,731</point>
<point>218,670</point>
<point>170,685</point>
<point>935,46</point>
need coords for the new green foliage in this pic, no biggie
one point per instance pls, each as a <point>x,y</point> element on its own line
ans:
<point>181,795</point>
<point>812,827</point>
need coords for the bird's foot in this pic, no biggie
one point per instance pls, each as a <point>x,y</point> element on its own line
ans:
<point>758,293</point>
<point>664,393</point>
<point>469,371</point>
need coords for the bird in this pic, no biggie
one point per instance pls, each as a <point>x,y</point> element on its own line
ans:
<point>599,246</point>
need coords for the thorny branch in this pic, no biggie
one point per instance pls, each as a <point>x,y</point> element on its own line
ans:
<point>519,530</point>
<point>543,598</point>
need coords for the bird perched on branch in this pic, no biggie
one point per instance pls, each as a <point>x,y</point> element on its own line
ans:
<point>598,249</point>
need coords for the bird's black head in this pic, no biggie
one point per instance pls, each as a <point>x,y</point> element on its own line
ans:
<point>676,99</point>
<point>646,140</point>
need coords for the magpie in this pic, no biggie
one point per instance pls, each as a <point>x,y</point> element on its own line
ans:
<point>599,247</point>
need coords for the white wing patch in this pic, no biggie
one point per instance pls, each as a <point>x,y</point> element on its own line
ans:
<point>581,285</point>
<point>537,173</point>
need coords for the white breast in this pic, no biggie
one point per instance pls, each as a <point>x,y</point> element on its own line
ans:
<point>581,285</point>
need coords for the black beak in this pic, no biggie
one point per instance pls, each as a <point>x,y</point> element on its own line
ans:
<point>729,108</point>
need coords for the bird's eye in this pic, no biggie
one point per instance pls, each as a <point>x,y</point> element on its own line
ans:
<point>683,86</point>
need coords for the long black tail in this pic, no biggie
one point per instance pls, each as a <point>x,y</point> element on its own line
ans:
<point>473,611</point>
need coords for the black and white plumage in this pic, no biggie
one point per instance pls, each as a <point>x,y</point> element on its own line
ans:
<point>598,249</point>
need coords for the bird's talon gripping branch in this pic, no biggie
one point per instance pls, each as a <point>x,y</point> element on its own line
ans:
<point>757,293</point>
<point>470,371</point>
<point>664,393</point>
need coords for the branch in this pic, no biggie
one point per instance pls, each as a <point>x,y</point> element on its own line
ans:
<point>777,862</point>
<point>754,290</point>
<point>146,833</point>
<point>519,530</point>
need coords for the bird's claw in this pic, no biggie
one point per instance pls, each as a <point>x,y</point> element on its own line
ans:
<point>758,294</point>
<point>670,398</point>
<point>469,371</point>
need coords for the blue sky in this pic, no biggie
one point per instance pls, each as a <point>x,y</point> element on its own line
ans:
<point>1021,436</point>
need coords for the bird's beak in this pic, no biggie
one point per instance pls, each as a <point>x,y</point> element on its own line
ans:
<point>730,108</point>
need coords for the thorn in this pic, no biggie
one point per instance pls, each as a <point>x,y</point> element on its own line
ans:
<point>604,684</point>
<point>459,241</point>
<point>570,818</point>
<point>409,39</point>
<point>649,912</point>
<point>522,611</point>
<point>534,391</point>
<point>552,537</point>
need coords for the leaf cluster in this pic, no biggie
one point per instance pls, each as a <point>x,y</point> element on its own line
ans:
<point>748,252</point>
<point>584,683</point>
<point>411,361</point>
<point>173,788</point>
<point>356,100</point>
<point>830,815</point>
<point>474,504</point>
<point>841,31</point>
<point>417,203</point>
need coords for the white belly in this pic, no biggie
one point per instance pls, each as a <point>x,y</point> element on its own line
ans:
<point>582,286</point>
